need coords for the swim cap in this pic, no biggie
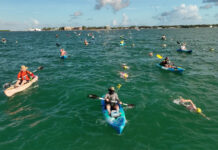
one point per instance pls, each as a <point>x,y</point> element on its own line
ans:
<point>125,75</point>
<point>198,110</point>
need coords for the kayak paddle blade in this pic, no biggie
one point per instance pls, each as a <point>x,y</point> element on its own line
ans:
<point>159,56</point>
<point>40,68</point>
<point>93,96</point>
<point>131,105</point>
<point>6,85</point>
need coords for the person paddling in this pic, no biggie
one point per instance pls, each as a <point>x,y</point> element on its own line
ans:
<point>63,52</point>
<point>112,101</point>
<point>167,63</point>
<point>183,46</point>
<point>24,76</point>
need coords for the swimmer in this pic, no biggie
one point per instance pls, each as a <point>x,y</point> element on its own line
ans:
<point>124,66</point>
<point>124,75</point>
<point>191,106</point>
<point>151,54</point>
<point>86,42</point>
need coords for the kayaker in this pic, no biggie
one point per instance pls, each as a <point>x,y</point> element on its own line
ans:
<point>112,101</point>
<point>167,63</point>
<point>63,52</point>
<point>24,76</point>
<point>183,46</point>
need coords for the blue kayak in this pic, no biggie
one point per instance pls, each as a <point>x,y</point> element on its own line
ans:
<point>63,57</point>
<point>177,69</point>
<point>117,123</point>
<point>186,51</point>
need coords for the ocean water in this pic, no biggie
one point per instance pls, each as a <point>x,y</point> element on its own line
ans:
<point>55,113</point>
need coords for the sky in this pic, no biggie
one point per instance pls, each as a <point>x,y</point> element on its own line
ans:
<point>25,14</point>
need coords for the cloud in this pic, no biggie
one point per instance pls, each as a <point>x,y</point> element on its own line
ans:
<point>208,6</point>
<point>35,22</point>
<point>125,20</point>
<point>77,13</point>
<point>183,14</point>
<point>114,22</point>
<point>115,4</point>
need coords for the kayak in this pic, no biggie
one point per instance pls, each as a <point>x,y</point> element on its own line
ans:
<point>178,69</point>
<point>186,51</point>
<point>63,57</point>
<point>117,123</point>
<point>11,90</point>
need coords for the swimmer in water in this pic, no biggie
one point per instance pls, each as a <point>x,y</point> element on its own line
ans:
<point>191,106</point>
<point>124,66</point>
<point>124,75</point>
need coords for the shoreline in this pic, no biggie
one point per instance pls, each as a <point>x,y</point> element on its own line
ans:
<point>103,28</point>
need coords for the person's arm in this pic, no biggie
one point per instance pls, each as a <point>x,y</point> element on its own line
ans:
<point>106,98</point>
<point>19,76</point>
<point>31,74</point>
<point>189,101</point>
<point>117,98</point>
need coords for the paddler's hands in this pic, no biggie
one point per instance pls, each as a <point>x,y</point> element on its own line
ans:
<point>121,103</point>
<point>107,100</point>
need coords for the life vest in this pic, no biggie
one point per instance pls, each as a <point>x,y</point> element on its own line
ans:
<point>25,75</point>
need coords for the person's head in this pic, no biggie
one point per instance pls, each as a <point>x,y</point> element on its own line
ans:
<point>198,110</point>
<point>23,68</point>
<point>61,50</point>
<point>111,90</point>
<point>166,58</point>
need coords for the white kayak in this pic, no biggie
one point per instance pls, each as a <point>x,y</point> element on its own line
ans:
<point>11,90</point>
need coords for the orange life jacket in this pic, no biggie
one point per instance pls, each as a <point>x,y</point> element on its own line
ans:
<point>25,75</point>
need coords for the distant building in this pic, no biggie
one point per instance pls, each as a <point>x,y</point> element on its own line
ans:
<point>108,27</point>
<point>68,28</point>
<point>80,28</point>
<point>36,29</point>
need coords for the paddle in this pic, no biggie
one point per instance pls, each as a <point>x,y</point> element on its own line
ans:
<point>7,85</point>
<point>159,56</point>
<point>178,43</point>
<point>93,96</point>
<point>57,44</point>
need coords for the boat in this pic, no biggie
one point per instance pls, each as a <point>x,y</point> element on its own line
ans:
<point>177,69</point>
<point>11,90</point>
<point>118,123</point>
<point>63,57</point>
<point>186,51</point>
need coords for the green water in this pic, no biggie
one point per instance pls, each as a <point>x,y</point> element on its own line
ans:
<point>55,113</point>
